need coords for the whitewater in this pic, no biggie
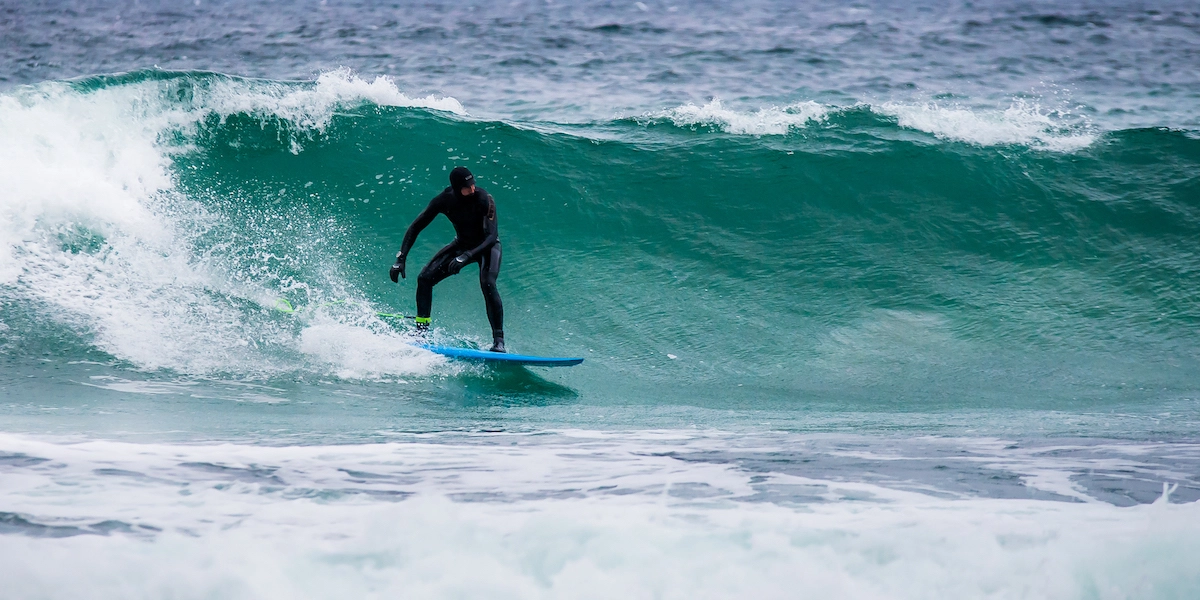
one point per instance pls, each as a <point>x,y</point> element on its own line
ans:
<point>875,301</point>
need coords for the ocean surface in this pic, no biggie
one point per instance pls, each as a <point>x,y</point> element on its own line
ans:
<point>877,300</point>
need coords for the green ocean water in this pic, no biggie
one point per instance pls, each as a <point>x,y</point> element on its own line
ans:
<point>841,263</point>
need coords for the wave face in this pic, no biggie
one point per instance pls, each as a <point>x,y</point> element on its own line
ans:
<point>858,257</point>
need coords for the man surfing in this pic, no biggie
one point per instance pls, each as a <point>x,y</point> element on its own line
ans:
<point>473,213</point>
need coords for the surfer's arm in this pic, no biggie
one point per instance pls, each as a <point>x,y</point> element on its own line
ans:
<point>493,232</point>
<point>418,225</point>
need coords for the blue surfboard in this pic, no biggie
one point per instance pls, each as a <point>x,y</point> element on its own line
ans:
<point>502,357</point>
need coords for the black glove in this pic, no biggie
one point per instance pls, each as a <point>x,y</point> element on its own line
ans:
<point>458,263</point>
<point>398,268</point>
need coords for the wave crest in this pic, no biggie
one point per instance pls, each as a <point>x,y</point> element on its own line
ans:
<point>772,120</point>
<point>1022,123</point>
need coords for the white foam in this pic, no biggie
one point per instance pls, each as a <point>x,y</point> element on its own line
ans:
<point>359,352</point>
<point>313,106</point>
<point>1024,123</point>
<point>773,120</point>
<point>247,522</point>
<point>93,170</point>
<point>67,157</point>
<point>433,548</point>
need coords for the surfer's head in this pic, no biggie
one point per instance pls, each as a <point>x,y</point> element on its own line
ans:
<point>462,181</point>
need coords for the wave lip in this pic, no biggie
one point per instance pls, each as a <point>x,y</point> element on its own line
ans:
<point>1021,123</point>
<point>312,106</point>
<point>772,120</point>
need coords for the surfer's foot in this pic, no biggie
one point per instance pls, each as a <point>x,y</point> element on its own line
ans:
<point>498,345</point>
<point>423,326</point>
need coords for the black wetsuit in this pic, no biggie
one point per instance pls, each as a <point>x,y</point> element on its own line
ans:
<point>474,220</point>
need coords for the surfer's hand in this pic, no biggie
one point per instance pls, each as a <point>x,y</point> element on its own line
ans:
<point>397,269</point>
<point>457,264</point>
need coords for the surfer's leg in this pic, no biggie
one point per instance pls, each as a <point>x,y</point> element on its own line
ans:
<point>489,269</point>
<point>435,271</point>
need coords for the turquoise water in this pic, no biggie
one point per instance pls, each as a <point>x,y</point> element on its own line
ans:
<point>902,335</point>
<point>845,264</point>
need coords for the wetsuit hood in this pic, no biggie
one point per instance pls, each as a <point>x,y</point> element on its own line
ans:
<point>460,178</point>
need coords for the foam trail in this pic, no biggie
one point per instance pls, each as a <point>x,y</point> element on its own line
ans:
<point>363,352</point>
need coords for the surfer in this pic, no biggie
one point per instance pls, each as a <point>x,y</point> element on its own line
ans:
<point>473,213</point>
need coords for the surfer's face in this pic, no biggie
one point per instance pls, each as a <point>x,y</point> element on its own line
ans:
<point>467,191</point>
